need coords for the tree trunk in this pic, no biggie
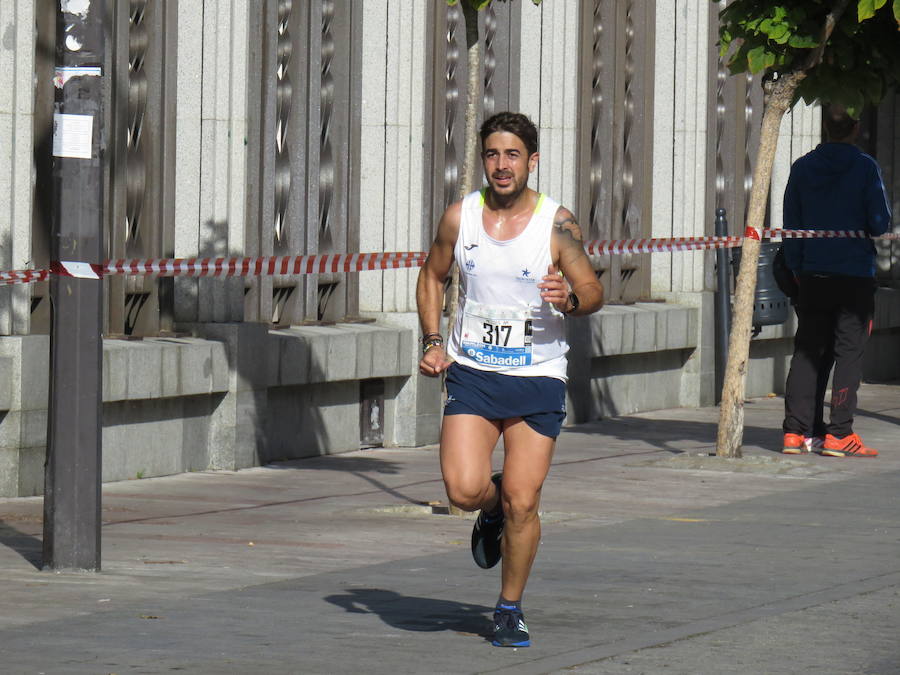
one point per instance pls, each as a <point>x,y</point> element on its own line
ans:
<point>473,98</point>
<point>470,154</point>
<point>731,409</point>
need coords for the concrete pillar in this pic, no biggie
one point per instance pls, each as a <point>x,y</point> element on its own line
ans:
<point>237,425</point>
<point>392,176</point>
<point>548,93</point>
<point>17,67</point>
<point>391,182</point>
<point>23,426</point>
<point>801,131</point>
<point>679,142</point>
<point>211,164</point>
<point>679,176</point>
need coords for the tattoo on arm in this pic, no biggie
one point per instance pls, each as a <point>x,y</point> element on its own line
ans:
<point>568,233</point>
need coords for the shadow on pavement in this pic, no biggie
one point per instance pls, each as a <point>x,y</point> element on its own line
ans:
<point>29,547</point>
<point>674,436</point>
<point>417,614</point>
<point>361,467</point>
<point>880,415</point>
<point>352,463</point>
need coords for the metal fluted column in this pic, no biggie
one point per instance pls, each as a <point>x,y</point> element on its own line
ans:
<point>73,470</point>
<point>723,304</point>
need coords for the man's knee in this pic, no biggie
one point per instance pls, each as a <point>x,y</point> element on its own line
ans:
<point>521,505</point>
<point>468,496</point>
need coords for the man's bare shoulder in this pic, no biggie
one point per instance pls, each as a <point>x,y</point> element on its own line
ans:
<point>565,225</point>
<point>453,213</point>
<point>448,226</point>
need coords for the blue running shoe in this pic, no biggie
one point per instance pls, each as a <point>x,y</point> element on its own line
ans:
<point>510,629</point>
<point>487,533</point>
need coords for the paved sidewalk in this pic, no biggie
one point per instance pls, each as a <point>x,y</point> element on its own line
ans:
<point>656,558</point>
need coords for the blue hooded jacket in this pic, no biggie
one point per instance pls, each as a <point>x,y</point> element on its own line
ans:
<point>835,187</point>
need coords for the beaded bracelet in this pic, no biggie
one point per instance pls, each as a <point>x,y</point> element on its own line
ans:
<point>432,340</point>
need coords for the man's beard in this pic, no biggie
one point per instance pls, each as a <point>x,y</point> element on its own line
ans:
<point>508,197</point>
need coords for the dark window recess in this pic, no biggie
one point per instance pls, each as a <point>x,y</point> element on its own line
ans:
<point>280,297</point>
<point>371,413</point>
<point>134,303</point>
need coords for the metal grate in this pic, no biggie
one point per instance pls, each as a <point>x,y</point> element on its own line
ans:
<point>302,195</point>
<point>616,102</point>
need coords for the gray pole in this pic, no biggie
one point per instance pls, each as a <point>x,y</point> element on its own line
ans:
<point>72,475</point>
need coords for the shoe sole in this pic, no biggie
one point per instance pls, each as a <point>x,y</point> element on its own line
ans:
<point>526,643</point>
<point>479,554</point>
<point>841,453</point>
<point>794,451</point>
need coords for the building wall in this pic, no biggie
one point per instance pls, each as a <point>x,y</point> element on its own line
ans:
<point>393,138</point>
<point>680,142</point>
<point>549,93</point>
<point>211,160</point>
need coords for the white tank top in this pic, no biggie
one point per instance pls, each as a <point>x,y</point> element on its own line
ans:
<point>502,324</point>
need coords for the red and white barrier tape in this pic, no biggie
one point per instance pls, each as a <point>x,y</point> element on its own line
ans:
<point>23,276</point>
<point>660,245</point>
<point>270,266</point>
<point>224,267</point>
<point>361,262</point>
<point>826,234</point>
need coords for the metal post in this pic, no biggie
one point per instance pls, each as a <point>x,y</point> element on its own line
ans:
<point>73,470</point>
<point>723,304</point>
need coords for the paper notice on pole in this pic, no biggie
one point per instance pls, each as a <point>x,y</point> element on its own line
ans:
<point>73,135</point>
<point>77,7</point>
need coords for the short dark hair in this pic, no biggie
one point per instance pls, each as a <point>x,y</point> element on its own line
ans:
<point>514,123</point>
<point>838,123</point>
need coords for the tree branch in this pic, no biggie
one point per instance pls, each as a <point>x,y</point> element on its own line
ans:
<point>831,19</point>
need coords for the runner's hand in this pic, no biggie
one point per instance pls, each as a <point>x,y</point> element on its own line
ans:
<point>555,289</point>
<point>434,361</point>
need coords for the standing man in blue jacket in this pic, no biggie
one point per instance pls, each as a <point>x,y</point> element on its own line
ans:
<point>834,187</point>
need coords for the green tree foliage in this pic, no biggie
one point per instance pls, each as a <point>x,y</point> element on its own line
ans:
<point>860,61</point>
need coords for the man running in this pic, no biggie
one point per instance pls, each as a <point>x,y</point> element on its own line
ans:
<point>523,268</point>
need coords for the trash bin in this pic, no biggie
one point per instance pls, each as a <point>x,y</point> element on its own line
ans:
<point>770,306</point>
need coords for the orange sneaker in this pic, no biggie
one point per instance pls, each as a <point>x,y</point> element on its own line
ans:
<point>815,443</point>
<point>794,444</point>
<point>848,446</point>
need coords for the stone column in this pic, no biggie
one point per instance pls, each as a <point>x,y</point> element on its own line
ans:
<point>549,93</point>
<point>391,184</point>
<point>17,69</point>
<point>210,199</point>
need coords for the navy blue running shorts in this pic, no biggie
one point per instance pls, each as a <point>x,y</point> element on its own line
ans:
<point>540,401</point>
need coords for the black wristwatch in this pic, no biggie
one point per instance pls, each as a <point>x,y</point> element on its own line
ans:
<point>574,300</point>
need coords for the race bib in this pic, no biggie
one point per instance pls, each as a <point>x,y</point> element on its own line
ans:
<point>497,336</point>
